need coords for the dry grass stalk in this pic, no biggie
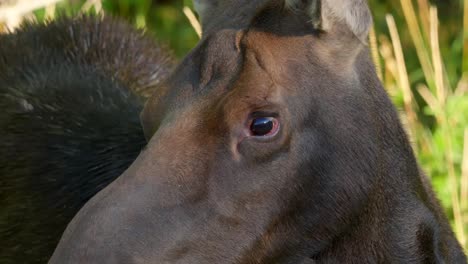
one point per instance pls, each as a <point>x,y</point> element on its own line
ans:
<point>50,12</point>
<point>465,41</point>
<point>423,10</point>
<point>464,178</point>
<point>403,79</point>
<point>390,71</point>
<point>12,15</point>
<point>92,3</point>
<point>441,89</point>
<point>416,35</point>
<point>428,97</point>
<point>375,52</point>
<point>193,20</point>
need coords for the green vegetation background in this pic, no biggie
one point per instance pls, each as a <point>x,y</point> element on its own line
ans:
<point>438,130</point>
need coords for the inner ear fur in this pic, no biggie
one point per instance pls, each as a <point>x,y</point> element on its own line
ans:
<point>329,14</point>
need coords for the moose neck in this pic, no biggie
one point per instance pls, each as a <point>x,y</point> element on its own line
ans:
<point>400,199</point>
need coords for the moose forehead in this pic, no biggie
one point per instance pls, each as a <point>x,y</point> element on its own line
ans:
<point>246,65</point>
<point>239,12</point>
<point>243,14</point>
<point>230,50</point>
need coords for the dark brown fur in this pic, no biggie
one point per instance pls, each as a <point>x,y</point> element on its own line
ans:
<point>339,183</point>
<point>71,92</point>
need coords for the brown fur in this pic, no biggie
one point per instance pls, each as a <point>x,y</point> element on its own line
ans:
<point>339,183</point>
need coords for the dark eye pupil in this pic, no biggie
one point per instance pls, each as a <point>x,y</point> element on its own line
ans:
<point>261,126</point>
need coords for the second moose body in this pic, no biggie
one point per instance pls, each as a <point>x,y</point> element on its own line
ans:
<point>272,142</point>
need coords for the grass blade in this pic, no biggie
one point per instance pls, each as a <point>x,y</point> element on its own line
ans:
<point>403,79</point>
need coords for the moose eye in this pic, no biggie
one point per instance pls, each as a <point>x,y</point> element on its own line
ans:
<point>264,126</point>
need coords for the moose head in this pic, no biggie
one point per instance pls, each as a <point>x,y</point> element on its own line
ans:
<point>272,142</point>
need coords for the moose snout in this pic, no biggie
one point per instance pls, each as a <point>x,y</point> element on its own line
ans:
<point>150,206</point>
<point>112,230</point>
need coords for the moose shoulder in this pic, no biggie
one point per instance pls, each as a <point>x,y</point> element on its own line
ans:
<point>272,142</point>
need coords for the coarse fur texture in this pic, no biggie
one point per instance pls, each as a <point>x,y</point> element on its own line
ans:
<point>336,183</point>
<point>71,92</point>
<point>326,14</point>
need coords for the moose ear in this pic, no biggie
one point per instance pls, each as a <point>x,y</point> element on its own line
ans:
<point>204,8</point>
<point>329,14</point>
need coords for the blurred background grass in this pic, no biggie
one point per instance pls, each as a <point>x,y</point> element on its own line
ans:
<point>420,48</point>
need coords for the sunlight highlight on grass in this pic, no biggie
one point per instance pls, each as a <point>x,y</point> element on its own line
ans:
<point>193,20</point>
